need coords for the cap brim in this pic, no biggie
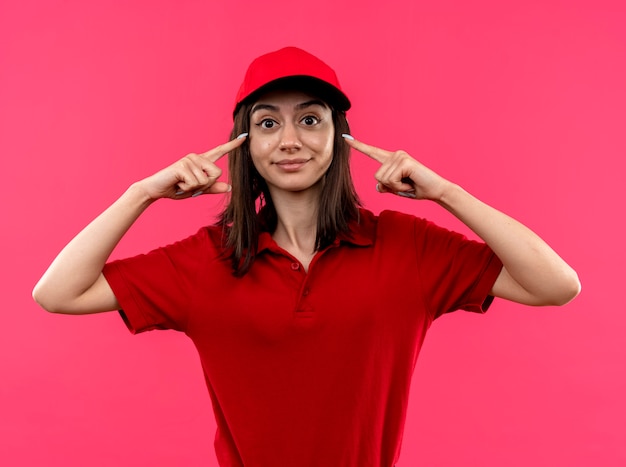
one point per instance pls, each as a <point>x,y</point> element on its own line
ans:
<point>307,84</point>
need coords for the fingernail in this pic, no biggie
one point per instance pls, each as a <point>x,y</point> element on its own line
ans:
<point>378,187</point>
<point>242,135</point>
<point>347,136</point>
<point>179,192</point>
<point>406,194</point>
<point>197,193</point>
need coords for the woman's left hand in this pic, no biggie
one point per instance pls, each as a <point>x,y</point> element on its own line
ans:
<point>401,174</point>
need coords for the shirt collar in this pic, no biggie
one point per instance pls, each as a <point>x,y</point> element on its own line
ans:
<point>361,232</point>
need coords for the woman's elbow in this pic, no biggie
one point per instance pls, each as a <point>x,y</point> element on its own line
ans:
<point>567,289</point>
<point>41,300</point>
<point>45,299</point>
<point>96,299</point>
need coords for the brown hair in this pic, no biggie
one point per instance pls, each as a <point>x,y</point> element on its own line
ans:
<point>251,210</point>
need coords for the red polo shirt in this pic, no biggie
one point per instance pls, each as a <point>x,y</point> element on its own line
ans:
<point>309,369</point>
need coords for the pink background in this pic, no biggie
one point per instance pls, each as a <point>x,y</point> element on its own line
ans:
<point>522,103</point>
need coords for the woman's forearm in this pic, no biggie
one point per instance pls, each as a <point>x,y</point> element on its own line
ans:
<point>532,274</point>
<point>74,283</point>
<point>72,277</point>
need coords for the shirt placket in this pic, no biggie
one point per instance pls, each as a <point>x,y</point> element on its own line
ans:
<point>304,307</point>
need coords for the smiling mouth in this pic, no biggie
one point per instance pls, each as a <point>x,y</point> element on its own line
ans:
<point>291,165</point>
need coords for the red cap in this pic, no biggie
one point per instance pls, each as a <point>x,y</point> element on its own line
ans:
<point>292,68</point>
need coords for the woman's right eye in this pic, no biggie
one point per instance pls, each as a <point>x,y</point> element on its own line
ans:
<point>266,123</point>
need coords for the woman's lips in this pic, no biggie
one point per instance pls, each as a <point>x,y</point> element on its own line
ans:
<point>291,165</point>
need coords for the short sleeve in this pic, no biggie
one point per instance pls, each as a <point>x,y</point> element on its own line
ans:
<point>456,273</point>
<point>154,289</point>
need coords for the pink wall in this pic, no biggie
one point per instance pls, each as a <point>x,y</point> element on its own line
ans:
<point>523,105</point>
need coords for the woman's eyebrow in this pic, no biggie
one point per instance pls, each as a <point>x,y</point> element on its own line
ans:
<point>306,104</point>
<point>302,105</point>
<point>269,107</point>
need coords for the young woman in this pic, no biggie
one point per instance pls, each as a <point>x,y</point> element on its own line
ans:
<point>307,311</point>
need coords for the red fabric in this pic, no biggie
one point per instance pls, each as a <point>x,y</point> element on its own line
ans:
<point>288,63</point>
<point>309,369</point>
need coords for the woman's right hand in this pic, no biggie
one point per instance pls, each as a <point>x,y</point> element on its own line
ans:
<point>193,175</point>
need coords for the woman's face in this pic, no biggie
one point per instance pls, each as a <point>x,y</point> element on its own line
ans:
<point>291,140</point>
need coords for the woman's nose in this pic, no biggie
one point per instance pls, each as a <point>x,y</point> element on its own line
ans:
<point>289,139</point>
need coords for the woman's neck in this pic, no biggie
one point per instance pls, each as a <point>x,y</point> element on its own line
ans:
<point>296,227</point>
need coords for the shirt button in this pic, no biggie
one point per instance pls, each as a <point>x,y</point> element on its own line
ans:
<point>295,266</point>
<point>305,292</point>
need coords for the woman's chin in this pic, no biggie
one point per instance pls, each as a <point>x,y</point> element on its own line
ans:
<point>295,187</point>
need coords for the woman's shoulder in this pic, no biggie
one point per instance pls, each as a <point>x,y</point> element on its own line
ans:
<point>390,218</point>
<point>374,228</point>
<point>400,226</point>
<point>206,241</point>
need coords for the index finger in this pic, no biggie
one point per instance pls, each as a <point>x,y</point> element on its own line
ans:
<point>378,154</point>
<point>220,151</point>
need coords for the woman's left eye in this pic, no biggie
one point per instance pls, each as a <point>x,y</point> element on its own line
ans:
<point>310,120</point>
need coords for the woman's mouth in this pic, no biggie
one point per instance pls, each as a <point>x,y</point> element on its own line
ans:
<point>291,165</point>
